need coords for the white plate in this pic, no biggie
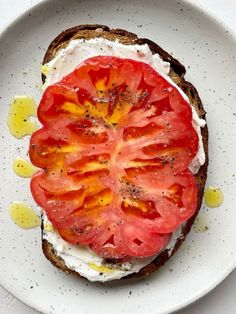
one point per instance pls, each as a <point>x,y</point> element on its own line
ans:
<point>205,259</point>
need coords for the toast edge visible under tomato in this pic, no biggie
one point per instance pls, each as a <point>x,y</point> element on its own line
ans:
<point>177,73</point>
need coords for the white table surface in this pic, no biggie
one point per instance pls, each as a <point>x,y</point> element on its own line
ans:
<point>223,298</point>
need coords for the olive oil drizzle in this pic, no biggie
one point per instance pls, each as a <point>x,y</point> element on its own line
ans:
<point>23,216</point>
<point>19,121</point>
<point>213,196</point>
<point>23,168</point>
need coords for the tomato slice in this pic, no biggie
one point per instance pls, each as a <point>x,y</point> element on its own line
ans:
<point>115,145</point>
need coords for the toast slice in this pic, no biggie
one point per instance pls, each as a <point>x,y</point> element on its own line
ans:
<point>177,72</point>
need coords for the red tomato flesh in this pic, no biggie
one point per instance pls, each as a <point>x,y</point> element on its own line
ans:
<point>115,145</point>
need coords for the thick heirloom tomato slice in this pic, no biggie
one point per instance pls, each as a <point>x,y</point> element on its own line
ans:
<point>115,145</point>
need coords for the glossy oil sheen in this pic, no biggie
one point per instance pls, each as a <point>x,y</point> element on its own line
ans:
<point>213,196</point>
<point>23,168</point>
<point>24,216</point>
<point>20,111</point>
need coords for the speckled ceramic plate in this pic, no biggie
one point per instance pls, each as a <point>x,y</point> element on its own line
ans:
<point>208,50</point>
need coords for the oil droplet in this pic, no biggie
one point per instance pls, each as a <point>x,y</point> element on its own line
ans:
<point>23,168</point>
<point>103,269</point>
<point>24,216</point>
<point>44,69</point>
<point>213,197</point>
<point>48,227</point>
<point>21,109</point>
<point>201,223</point>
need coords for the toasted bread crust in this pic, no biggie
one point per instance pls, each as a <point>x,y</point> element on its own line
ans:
<point>177,73</point>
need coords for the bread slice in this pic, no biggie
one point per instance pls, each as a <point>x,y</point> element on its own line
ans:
<point>177,72</point>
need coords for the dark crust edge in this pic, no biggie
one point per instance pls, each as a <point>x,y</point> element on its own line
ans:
<point>177,73</point>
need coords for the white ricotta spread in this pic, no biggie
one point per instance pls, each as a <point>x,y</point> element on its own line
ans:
<point>81,258</point>
<point>79,50</point>
<point>91,266</point>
